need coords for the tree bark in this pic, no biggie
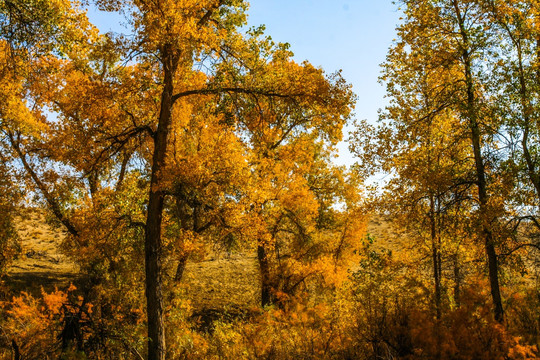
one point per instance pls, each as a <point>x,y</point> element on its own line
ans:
<point>153,245</point>
<point>54,205</point>
<point>180,267</point>
<point>483,198</point>
<point>16,350</point>
<point>123,169</point>
<point>526,109</point>
<point>267,290</point>
<point>457,281</point>
<point>435,257</point>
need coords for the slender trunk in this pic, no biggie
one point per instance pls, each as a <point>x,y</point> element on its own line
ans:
<point>123,168</point>
<point>267,291</point>
<point>457,281</point>
<point>93,183</point>
<point>180,267</point>
<point>16,350</point>
<point>50,198</point>
<point>196,228</point>
<point>526,112</point>
<point>436,271</point>
<point>538,58</point>
<point>483,197</point>
<point>435,257</point>
<point>153,246</point>
<point>524,94</point>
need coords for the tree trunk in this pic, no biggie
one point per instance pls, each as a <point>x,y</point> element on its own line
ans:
<point>527,111</point>
<point>436,271</point>
<point>435,257</point>
<point>493,266</point>
<point>180,267</point>
<point>153,246</point>
<point>457,281</point>
<point>483,197</point>
<point>267,290</point>
<point>123,168</point>
<point>52,201</point>
<point>16,350</point>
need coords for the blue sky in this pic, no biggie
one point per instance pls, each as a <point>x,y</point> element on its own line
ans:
<point>352,35</point>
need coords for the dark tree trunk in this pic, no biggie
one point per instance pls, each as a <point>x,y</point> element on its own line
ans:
<point>483,197</point>
<point>16,350</point>
<point>527,112</point>
<point>457,281</point>
<point>435,257</point>
<point>493,266</point>
<point>180,267</point>
<point>267,290</point>
<point>93,183</point>
<point>123,168</point>
<point>153,246</point>
<point>52,201</point>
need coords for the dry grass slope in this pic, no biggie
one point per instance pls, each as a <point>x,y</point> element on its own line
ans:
<point>40,263</point>
<point>230,282</point>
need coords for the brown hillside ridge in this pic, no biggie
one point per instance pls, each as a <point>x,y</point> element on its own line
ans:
<point>221,283</point>
<point>40,262</point>
<point>217,283</point>
<point>386,236</point>
<point>214,283</point>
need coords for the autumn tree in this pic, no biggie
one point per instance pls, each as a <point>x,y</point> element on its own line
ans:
<point>30,33</point>
<point>290,140</point>
<point>146,110</point>
<point>420,142</point>
<point>435,71</point>
<point>514,79</point>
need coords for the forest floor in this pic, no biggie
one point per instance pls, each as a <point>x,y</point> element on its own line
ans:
<point>221,281</point>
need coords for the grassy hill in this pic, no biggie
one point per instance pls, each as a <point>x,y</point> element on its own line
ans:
<point>40,262</point>
<point>218,282</point>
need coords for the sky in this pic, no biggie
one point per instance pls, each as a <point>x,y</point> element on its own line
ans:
<point>352,35</point>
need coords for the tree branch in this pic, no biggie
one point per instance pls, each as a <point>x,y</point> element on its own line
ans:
<point>232,90</point>
<point>51,201</point>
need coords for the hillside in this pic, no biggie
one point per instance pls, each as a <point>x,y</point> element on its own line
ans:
<point>218,282</point>
<point>40,262</point>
